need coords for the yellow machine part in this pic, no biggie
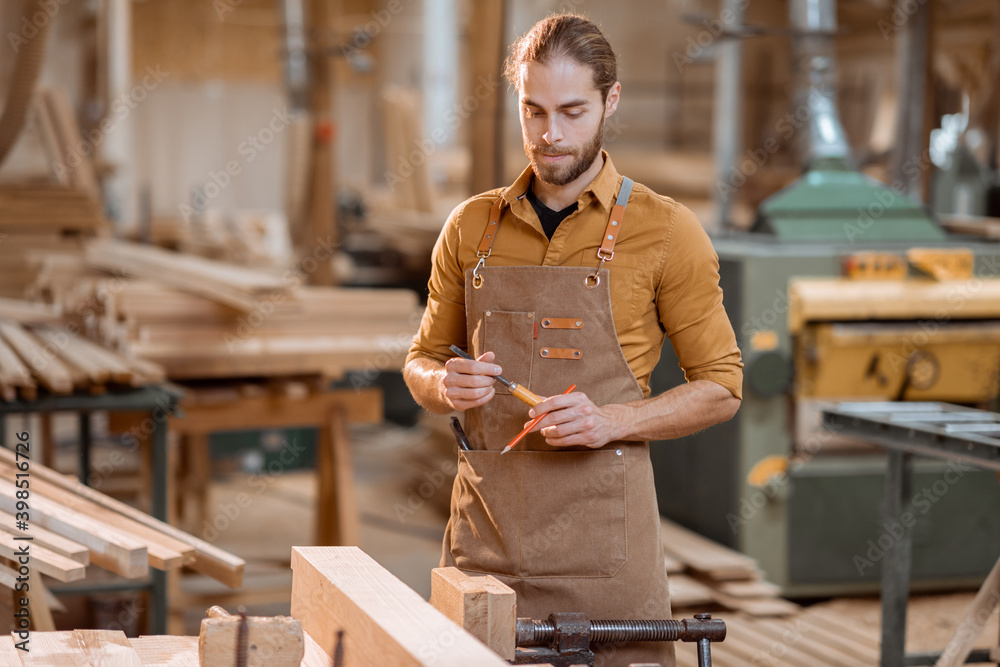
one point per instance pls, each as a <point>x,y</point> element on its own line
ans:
<point>925,361</point>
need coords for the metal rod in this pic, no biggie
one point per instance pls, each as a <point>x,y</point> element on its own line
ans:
<point>704,653</point>
<point>896,565</point>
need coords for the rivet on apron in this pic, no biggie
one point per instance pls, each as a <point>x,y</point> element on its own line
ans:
<point>531,316</point>
<point>488,313</point>
<point>610,237</point>
<point>576,353</point>
<point>545,353</point>
<point>618,452</point>
<point>579,323</point>
<point>545,323</point>
<point>614,223</point>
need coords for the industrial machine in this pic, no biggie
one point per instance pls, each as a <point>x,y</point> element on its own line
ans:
<point>845,289</point>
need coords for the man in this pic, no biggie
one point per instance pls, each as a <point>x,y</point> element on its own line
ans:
<point>571,276</point>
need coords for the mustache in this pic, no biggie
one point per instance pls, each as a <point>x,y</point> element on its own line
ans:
<point>550,152</point>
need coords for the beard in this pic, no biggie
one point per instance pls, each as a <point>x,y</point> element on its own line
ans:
<point>564,171</point>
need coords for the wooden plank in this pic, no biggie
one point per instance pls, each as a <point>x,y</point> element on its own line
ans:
<point>55,649</point>
<point>9,655</point>
<point>108,647</point>
<point>484,606</point>
<point>969,628</point>
<point>821,299</point>
<point>45,366</point>
<point>314,655</point>
<point>96,372</point>
<point>165,553</point>
<point>749,589</point>
<point>209,559</point>
<point>29,312</point>
<point>487,42</point>
<point>48,539</point>
<point>81,170</point>
<point>276,641</point>
<point>109,548</point>
<point>233,285</point>
<point>45,561</point>
<point>703,555</point>
<point>167,651</point>
<point>687,591</point>
<point>791,632</point>
<point>822,634</point>
<point>673,565</point>
<point>385,622</point>
<point>337,519</point>
<point>757,606</point>
<point>836,623</point>
<point>13,372</point>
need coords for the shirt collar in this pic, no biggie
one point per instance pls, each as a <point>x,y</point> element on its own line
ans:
<point>604,187</point>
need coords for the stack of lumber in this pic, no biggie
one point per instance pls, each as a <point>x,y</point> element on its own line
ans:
<point>37,350</point>
<point>703,574</point>
<point>809,637</point>
<point>239,287</point>
<point>41,208</point>
<point>112,647</point>
<point>199,318</point>
<point>72,526</point>
<point>314,330</point>
<point>39,222</point>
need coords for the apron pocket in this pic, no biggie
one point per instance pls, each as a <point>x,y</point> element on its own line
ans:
<point>510,334</point>
<point>485,535</point>
<point>573,513</point>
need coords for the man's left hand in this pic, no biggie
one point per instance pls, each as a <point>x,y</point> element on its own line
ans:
<point>573,420</point>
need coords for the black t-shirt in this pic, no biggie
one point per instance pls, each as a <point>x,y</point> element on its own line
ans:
<point>550,219</point>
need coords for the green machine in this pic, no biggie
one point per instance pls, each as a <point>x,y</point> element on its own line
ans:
<point>844,289</point>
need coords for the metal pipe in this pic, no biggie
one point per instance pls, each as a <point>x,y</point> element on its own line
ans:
<point>814,23</point>
<point>727,118</point>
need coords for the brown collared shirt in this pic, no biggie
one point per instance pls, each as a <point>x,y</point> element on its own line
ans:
<point>664,276</point>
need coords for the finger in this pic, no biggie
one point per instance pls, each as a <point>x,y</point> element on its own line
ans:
<point>468,381</point>
<point>470,398</point>
<point>469,367</point>
<point>469,393</point>
<point>558,402</point>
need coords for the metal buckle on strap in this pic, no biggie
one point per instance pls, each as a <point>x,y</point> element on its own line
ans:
<point>594,279</point>
<point>477,278</point>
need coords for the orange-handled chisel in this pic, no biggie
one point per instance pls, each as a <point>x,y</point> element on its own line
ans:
<point>519,391</point>
<point>531,425</point>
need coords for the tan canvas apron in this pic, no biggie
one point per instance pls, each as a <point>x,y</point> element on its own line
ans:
<point>569,529</point>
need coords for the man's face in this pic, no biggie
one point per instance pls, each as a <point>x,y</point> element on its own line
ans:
<point>562,118</point>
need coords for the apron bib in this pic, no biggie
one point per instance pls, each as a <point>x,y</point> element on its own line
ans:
<point>569,529</point>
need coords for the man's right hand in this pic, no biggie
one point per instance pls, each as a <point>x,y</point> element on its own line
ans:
<point>469,384</point>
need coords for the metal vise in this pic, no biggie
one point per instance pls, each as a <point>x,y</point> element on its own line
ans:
<point>565,639</point>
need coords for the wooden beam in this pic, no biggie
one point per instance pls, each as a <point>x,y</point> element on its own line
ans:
<point>48,539</point>
<point>336,506</point>
<point>484,606</point>
<point>488,43</point>
<point>109,548</point>
<point>45,561</point>
<point>969,628</point>
<point>277,641</point>
<point>322,212</point>
<point>209,559</point>
<point>167,650</point>
<point>384,621</point>
<point>165,553</point>
<point>45,365</point>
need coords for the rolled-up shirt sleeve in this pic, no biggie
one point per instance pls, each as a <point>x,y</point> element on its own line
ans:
<point>689,301</point>
<point>443,323</point>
